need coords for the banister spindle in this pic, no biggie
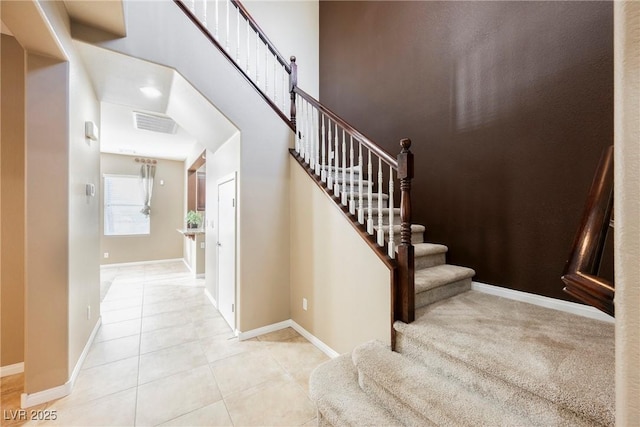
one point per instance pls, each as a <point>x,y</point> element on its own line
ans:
<point>307,136</point>
<point>336,154</point>
<point>380,217</point>
<point>360,189</point>
<point>204,13</point>
<point>352,206</point>
<point>248,44</point>
<point>275,80</point>
<point>392,245</point>
<point>405,290</point>
<point>237,35</point>
<point>257,59</point>
<point>226,47</point>
<point>344,168</point>
<point>284,90</point>
<point>370,196</point>
<point>217,20</point>
<point>323,171</point>
<point>316,137</point>
<point>297,136</point>
<point>331,156</point>
<point>293,82</point>
<point>266,69</point>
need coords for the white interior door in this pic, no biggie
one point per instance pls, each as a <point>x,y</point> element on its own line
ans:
<point>227,250</point>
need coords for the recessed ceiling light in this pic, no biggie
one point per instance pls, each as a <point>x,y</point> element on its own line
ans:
<point>151,92</point>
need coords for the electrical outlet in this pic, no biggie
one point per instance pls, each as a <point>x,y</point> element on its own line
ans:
<point>106,254</point>
<point>304,304</point>
<point>88,312</point>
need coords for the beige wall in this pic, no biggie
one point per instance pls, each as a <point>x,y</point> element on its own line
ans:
<point>220,164</point>
<point>167,214</point>
<point>346,285</point>
<point>47,202</point>
<point>627,210</point>
<point>12,195</point>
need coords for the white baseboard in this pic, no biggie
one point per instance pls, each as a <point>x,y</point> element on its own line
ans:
<point>16,368</point>
<point>131,264</point>
<point>315,341</point>
<point>211,298</point>
<point>552,303</point>
<point>264,330</point>
<point>290,324</point>
<point>29,400</point>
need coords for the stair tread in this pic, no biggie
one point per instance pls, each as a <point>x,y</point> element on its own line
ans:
<point>566,359</point>
<point>433,277</point>
<point>430,396</point>
<point>426,249</point>
<point>333,386</point>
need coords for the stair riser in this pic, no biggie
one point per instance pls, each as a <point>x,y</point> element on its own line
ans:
<point>442,292</point>
<point>491,388</point>
<point>428,261</point>
<point>397,408</point>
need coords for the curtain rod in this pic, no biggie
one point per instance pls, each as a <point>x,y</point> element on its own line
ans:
<point>148,161</point>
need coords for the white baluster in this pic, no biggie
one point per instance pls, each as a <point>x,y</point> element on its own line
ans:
<point>298,145</point>
<point>331,156</point>
<point>217,20</point>
<point>284,90</point>
<point>248,44</point>
<point>226,47</point>
<point>323,172</point>
<point>380,182</point>
<point>370,196</point>
<point>392,245</point>
<point>238,36</point>
<point>275,80</point>
<point>257,59</point>
<point>360,189</point>
<point>316,135</point>
<point>344,170</point>
<point>312,146</point>
<point>352,206</point>
<point>266,70</point>
<point>336,185</point>
<point>307,149</point>
<point>204,13</point>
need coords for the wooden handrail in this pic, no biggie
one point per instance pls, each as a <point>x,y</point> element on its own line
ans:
<point>376,149</point>
<point>252,22</point>
<point>581,271</point>
<point>205,31</point>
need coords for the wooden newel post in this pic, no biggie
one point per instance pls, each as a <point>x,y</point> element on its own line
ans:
<point>405,291</point>
<point>293,82</point>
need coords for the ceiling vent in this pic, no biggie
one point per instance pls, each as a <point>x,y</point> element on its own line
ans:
<point>154,123</point>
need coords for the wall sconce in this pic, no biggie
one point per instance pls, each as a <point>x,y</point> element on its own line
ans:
<point>91,131</point>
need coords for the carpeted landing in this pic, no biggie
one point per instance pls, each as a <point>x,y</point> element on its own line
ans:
<point>475,359</point>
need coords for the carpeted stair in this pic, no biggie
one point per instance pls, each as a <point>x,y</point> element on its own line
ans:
<point>470,359</point>
<point>476,360</point>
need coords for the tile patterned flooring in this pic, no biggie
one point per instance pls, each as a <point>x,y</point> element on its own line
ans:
<point>164,356</point>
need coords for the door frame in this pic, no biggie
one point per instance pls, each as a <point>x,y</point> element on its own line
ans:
<point>225,179</point>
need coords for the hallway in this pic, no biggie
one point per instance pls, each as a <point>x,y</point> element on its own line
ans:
<point>165,356</point>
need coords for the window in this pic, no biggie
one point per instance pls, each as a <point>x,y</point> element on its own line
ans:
<point>123,201</point>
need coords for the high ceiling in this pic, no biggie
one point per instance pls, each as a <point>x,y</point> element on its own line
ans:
<point>117,80</point>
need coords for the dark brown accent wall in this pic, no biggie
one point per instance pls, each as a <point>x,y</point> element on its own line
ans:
<point>508,104</point>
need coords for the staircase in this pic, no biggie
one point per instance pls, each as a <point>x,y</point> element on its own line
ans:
<point>461,357</point>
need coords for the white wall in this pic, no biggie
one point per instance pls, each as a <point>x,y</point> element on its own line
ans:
<point>627,210</point>
<point>346,285</point>
<point>294,28</point>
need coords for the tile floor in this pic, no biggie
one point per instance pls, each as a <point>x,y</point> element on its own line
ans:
<point>164,356</point>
